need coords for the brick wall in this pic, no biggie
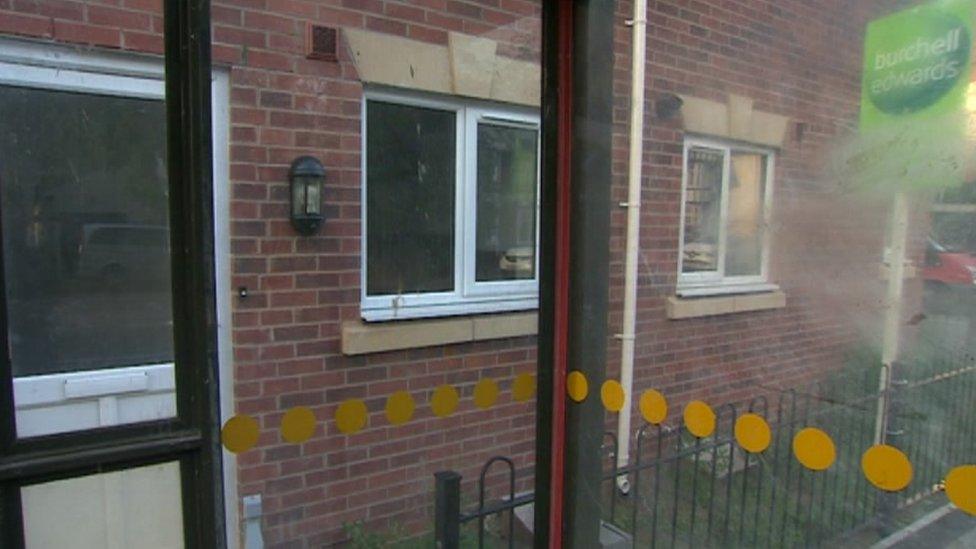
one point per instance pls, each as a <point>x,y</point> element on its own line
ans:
<point>287,331</point>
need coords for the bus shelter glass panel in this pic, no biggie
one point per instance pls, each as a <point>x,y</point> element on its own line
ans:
<point>396,344</point>
<point>805,278</point>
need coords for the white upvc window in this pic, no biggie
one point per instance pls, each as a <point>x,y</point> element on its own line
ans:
<point>726,200</point>
<point>450,206</point>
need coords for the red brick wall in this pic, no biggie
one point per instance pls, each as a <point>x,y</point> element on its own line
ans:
<point>286,333</point>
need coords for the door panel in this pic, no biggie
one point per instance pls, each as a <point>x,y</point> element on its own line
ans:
<point>132,508</point>
<point>86,400</point>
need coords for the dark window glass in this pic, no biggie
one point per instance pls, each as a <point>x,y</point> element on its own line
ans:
<point>410,167</point>
<point>506,203</point>
<point>703,210</point>
<point>84,204</point>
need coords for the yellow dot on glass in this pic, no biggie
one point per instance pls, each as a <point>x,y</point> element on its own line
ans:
<point>653,406</point>
<point>350,416</point>
<point>886,467</point>
<point>239,434</point>
<point>699,419</point>
<point>576,386</point>
<point>444,401</point>
<point>298,425</point>
<point>753,433</point>
<point>612,395</point>
<point>523,387</point>
<point>814,449</point>
<point>485,393</point>
<point>960,487</point>
<point>399,408</point>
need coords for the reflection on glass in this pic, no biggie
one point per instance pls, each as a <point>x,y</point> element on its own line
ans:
<point>410,198</point>
<point>131,508</point>
<point>953,213</point>
<point>86,251</point>
<point>745,226</point>
<point>506,203</point>
<point>703,210</point>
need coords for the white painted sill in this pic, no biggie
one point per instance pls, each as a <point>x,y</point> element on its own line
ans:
<point>359,338</point>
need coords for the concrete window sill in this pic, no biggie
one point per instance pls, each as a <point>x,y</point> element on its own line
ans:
<point>359,338</point>
<point>682,307</point>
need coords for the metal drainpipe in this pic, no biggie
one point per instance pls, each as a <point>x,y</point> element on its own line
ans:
<point>633,204</point>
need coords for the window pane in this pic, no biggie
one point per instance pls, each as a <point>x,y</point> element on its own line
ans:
<point>703,210</point>
<point>744,236</point>
<point>410,167</point>
<point>506,203</point>
<point>86,246</point>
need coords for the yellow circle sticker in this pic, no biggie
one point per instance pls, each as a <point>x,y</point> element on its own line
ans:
<point>814,449</point>
<point>444,401</point>
<point>653,406</point>
<point>753,433</point>
<point>612,395</point>
<point>298,425</point>
<point>240,433</point>
<point>350,416</point>
<point>399,408</point>
<point>699,419</point>
<point>960,487</point>
<point>486,393</point>
<point>886,467</point>
<point>577,386</point>
<point>523,388</point>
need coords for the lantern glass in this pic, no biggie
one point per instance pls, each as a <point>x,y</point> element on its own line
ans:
<point>297,197</point>
<point>306,195</point>
<point>313,195</point>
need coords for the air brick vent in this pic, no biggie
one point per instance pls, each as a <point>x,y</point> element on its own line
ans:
<point>320,43</point>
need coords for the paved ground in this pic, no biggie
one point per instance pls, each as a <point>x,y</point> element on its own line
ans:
<point>954,530</point>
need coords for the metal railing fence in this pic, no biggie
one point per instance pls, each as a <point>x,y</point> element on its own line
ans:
<point>710,492</point>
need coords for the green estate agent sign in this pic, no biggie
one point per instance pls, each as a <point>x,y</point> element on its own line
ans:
<point>916,60</point>
<point>913,96</point>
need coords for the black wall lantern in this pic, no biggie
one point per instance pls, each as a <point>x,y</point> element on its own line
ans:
<point>307,175</point>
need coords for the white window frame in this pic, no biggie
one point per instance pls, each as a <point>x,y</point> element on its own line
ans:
<point>715,282</point>
<point>469,296</point>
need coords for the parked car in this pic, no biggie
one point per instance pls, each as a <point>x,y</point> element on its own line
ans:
<point>948,269</point>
